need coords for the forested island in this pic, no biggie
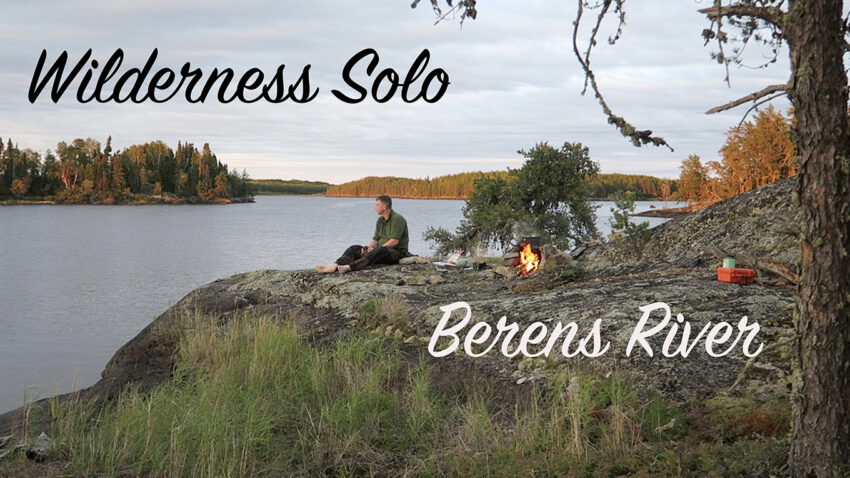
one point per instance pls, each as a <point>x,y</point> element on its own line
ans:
<point>83,172</point>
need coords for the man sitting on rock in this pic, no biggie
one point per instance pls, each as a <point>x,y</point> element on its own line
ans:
<point>389,244</point>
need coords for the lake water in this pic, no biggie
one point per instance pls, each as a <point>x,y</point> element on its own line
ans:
<point>77,282</point>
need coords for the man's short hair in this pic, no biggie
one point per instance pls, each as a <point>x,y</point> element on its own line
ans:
<point>386,200</point>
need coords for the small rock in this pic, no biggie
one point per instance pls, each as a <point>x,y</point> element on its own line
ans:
<point>577,252</point>
<point>418,279</point>
<point>436,279</point>
<point>553,257</point>
<point>527,286</point>
<point>489,274</point>
<point>414,260</point>
<point>400,282</point>
<point>505,271</point>
<point>42,448</point>
<point>511,259</point>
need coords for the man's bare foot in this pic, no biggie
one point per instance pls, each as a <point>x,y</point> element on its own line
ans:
<point>326,269</point>
<point>343,269</point>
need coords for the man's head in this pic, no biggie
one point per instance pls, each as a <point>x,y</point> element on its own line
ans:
<point>383,204</point>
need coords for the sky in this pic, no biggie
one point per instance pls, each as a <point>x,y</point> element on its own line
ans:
<point>514,82</point>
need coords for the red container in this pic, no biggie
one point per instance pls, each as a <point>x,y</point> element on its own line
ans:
<point>736,275</point>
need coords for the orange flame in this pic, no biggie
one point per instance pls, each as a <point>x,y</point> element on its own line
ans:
<point>529,261</point>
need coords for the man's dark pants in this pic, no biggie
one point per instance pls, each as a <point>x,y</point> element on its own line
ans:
<point>354,257</point>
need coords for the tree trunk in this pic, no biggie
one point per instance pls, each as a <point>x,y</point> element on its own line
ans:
<point>821,440</point>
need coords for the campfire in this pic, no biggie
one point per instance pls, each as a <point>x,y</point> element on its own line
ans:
<point>530,253</point>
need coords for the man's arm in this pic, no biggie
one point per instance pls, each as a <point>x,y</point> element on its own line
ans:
<point>374,244</point>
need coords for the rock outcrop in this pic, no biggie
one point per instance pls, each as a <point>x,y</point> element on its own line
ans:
<point>676,267</point>
<point>756,225</point>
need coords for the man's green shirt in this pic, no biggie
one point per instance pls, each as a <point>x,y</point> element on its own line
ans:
<point>394,227</point>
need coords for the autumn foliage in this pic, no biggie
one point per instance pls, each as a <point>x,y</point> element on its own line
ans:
<point>756,153</point>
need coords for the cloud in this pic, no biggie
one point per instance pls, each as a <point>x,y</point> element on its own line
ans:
<point>514,82</point>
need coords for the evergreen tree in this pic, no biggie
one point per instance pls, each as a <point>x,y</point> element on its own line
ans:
<point>118,182</point>
<point>634,235</point>
<point>4,186</point>
<point>10,162</point>
<point>548,197</point>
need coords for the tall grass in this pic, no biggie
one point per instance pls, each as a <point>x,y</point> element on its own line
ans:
<point>251,398</point>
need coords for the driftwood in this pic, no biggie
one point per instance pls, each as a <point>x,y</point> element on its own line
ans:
<point>779,268</point>
<point>716,251</point>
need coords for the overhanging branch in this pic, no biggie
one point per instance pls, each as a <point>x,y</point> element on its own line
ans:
<point>638,137</point>
<point>746,99</point>
<point>772,15</point>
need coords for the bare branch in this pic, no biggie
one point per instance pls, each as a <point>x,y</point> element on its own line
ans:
<point>465,7</point>
<point>592,41</point>
<point>638,137</point>
<point>773,15</point>
<point>756,105</point>
<point>721,38</point>
<point>752,97</point>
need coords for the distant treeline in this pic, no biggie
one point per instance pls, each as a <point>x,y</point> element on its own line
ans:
<point>289,186</point>
<point>460,186</point>
<point>604,186</point>
<point>454,186</point>
<point>84,172</point>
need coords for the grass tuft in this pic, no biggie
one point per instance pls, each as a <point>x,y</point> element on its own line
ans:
<point>251,397</point>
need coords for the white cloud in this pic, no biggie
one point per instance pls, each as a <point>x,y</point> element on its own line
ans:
<point>514,82</point>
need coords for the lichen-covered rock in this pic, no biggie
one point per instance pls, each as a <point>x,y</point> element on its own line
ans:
<point>553,257</point>
<point>676,268</point>
<point>505,271</point>
<point>758,224</point>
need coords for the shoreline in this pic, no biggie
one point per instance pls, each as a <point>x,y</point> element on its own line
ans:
<point>144,202</point>
<point>666,212</point>
<point>436,198</point>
